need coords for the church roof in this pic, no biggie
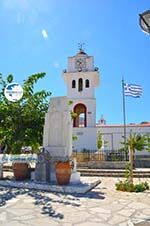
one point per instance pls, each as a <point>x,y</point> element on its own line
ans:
<point>121,125</point>
<point>81,52</point>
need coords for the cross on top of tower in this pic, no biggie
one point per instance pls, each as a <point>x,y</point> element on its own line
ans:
<point>80,45</point>
<point>81,49</point>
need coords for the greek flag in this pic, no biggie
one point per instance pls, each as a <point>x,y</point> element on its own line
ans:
<point>132,90</point>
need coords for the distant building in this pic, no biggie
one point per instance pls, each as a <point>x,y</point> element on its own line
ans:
<point>113,134</point>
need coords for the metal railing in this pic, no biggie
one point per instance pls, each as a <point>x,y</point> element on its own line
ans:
<point>92,155</point>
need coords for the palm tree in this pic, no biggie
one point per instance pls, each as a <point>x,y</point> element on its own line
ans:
<point>135,142</point>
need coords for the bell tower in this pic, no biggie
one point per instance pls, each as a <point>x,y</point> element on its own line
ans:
<point>81,78</point>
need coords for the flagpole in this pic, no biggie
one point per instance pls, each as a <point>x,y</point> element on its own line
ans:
<point>124,114</point>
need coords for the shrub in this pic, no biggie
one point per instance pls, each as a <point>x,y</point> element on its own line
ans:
<point>129,187</point>
<point>146,185</point>
<point>141,187</point>
<point>124,186</point>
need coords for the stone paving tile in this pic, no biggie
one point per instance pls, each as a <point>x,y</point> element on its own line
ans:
<point>123,224</point>
<point>92,224</point>
<point>115,220</point>
<point>103,206</point>
<point>127,212</point>
<point>14,223</point>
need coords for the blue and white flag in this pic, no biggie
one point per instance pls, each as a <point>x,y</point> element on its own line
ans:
<point>132,90</point>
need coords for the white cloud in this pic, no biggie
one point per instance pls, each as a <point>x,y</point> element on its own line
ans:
<point>44,34</point>
<point>56,64</point>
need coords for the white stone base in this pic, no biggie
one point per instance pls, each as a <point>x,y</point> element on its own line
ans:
<point>75,178</point>
<point>80,188</point>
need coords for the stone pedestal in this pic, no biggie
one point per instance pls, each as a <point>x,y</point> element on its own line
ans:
<point>43,168</point>
<point>1,171</point>
<point>57,140</point>
<point>75,178</point>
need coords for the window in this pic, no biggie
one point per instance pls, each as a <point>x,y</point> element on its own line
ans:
<point>73,84</point>
<point>80,84</point>
<point>87,83</point>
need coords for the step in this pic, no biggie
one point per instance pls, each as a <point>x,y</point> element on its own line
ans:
<point>113,173</point>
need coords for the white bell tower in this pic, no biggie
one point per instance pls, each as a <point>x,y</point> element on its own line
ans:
<point>81,78</point>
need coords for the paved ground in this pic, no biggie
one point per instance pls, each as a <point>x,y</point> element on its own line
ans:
<point>103,206</point>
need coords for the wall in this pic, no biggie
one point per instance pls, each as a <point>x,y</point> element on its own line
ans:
<point>87,92</point>
<point>106,165</point>
<point>113,134</point>
<point>72,62</point>
<point>87,138</point>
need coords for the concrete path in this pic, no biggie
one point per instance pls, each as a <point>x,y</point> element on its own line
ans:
<point>103,206</point>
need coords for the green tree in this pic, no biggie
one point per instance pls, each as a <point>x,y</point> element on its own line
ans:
<point>135,142</point>
<point>21,123</point>
<point>99,140</point>
<point>148,142</point>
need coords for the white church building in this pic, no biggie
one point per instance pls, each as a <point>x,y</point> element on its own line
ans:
<point>112,135</point>
<point>81,78</point>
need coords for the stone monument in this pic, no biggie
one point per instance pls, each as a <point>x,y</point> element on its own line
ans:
<point>57,140</point>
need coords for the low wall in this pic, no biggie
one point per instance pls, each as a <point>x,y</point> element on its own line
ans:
<point>142,164</point>
<point>112,164</point>
<point>107,164</point>
<point>86,157</point>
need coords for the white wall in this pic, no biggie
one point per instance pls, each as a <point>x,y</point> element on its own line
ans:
<point>93,78</point>
<point>87,138</point>
<point>114,134</point>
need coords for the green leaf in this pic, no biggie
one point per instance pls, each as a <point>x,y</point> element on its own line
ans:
<point>9,78</point>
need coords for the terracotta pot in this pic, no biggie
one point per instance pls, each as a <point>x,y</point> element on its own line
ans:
<point>21,170</point>
<point>63,172</point>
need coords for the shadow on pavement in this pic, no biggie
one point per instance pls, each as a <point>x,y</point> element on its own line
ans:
<point>41,199</point>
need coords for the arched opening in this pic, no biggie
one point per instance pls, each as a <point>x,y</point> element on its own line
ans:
<point>73,84</point>
<point>87,83</point>
<point>80,84</point>
<point>80,119</point>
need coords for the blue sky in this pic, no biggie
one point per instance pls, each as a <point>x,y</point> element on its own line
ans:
<point>38,36</point>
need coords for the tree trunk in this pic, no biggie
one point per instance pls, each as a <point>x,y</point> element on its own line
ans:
<point>131,165</point>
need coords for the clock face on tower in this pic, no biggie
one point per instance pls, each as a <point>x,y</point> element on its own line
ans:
<point>80,64</point>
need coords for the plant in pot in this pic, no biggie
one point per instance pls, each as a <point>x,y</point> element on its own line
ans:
<point>21,122</point>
